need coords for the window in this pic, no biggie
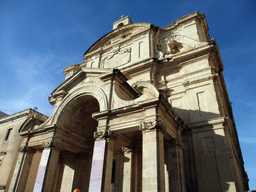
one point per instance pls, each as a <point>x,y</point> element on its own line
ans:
<point>8,134</point>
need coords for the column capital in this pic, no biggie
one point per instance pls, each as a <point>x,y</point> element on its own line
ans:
<point>100,135</point>
<point>152,125</point>
<point>126,149</point>
<point>52,145</point>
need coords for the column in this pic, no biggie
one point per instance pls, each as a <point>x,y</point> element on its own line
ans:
<point>47,168</point>
<point>127,170</point>
<point>102,161</point>
<point>21,171</point>
<point>175,166</point>
<point>153,156</point>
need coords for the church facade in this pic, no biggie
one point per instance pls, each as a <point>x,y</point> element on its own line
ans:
<point>147,110</point>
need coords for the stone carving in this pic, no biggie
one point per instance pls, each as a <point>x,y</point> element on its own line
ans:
<point>51,144</point>
<point>151,125</point>
<point>173,46</point>
<point>146,89</point>
<point>102,134</point>
<point>116,57</point>
<point>159,52</point>
<point>126,149</point>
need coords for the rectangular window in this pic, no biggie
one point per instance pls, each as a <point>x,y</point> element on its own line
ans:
<point>8,134</point>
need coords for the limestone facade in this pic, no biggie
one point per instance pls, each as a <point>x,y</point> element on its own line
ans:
<point>147,110</point>
<point>10,141</point>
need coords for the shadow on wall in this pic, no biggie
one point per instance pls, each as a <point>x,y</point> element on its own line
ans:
<point>213,165</point>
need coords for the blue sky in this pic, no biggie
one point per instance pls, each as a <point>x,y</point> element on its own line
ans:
<point>40,38</point>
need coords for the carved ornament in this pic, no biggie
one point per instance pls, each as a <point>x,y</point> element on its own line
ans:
<point>126,149</point>
<point>52,145</point>
<point>102,134</point>
<point>151,125</point>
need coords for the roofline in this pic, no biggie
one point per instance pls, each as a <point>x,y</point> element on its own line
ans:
<point>18,115</point>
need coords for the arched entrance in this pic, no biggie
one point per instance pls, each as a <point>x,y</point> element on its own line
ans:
<point>74,167</point>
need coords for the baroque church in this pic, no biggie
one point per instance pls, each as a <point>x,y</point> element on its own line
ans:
<point>147,110</point>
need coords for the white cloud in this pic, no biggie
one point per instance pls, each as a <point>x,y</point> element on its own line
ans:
<point>33,84</point>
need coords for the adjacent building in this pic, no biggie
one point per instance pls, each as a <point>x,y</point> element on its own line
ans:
<point>10,141</point>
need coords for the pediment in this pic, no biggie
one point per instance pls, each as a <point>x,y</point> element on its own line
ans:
<point>117,35</point>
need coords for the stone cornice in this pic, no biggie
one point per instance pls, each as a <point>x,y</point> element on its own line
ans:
<point>12,118</point>
<point>181,20</point>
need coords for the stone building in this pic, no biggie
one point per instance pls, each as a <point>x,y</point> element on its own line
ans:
<point>147,110</point>
<point>10,126</point>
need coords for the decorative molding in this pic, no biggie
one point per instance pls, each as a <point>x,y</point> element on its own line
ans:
<point>151,125</point>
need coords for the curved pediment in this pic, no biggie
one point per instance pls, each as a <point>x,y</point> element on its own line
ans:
<point>120,47</point>
<point>118,34</point>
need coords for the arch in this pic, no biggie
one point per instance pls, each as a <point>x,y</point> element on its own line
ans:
<point>93,91</point>
<point>76,115</point>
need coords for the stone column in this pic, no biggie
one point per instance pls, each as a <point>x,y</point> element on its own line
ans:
<point>127,170</point>
<point>21,171</point>
<point>47,168</point>
<point>102,162</point>
<point>153,156</point>
<point>175,166</point>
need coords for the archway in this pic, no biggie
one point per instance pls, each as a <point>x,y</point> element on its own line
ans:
<point>73,167</point>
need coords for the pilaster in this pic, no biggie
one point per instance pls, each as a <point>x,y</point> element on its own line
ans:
<point>153,156</point>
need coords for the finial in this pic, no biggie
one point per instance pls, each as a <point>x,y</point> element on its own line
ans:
<point>122,17</point>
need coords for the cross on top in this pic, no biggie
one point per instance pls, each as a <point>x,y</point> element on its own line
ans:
<point>122,17</point>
